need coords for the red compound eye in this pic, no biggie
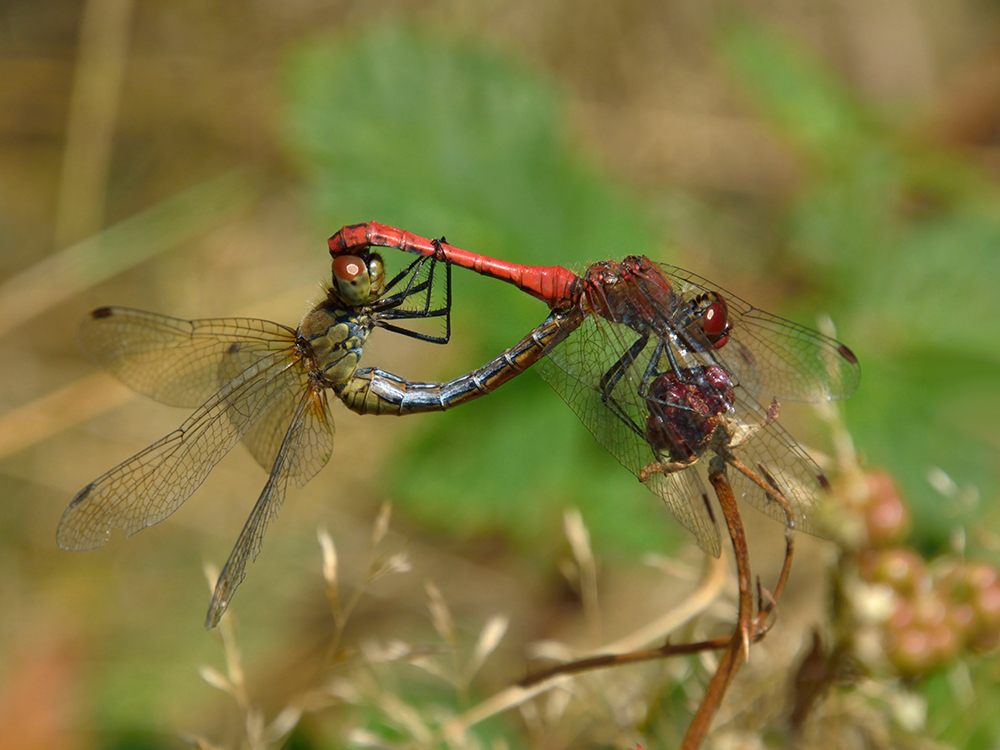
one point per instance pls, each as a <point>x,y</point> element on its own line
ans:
<point>348,267</point>
<point>715,321</point>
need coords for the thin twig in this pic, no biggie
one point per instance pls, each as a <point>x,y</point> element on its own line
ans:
<point>709,588</point>
<point>739,646</point>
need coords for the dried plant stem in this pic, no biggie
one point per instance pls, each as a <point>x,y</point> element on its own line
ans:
<point>709,588</point>
<point>739,645</point>
<point>340,617</point>
<point>376,567</point>
<point>97,83</point>
<point>748,628</point>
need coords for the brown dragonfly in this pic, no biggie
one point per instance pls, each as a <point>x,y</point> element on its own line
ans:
<point>266,385</point>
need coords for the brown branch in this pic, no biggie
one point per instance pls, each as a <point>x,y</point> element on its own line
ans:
<point>749,628</point>
<point>739,645</point>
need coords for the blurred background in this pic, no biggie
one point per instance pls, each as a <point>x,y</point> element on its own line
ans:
<point>191,157</point>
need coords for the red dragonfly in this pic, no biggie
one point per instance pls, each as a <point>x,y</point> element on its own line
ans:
<point>666,366</point>
<point>266,385</point>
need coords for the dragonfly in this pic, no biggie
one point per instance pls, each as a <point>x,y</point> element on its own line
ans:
<point>267,385</point>
<point>665,368</point>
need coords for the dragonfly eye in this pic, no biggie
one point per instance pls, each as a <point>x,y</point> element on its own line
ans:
<point>715,323</point>
<point>352,278</point>
<point>376,270</point>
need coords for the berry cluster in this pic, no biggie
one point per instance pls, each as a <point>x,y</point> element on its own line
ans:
<point>937,611</point>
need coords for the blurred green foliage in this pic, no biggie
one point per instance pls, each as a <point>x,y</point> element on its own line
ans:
<point>908,242</point>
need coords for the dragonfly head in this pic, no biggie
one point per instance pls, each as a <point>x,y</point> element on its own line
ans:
<point>711,318</point>
<point>359,279</point>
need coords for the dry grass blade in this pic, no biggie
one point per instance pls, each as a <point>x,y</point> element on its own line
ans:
<point>64,274</point>
<point>282,725</point>
<point>395,563</point>
<point>58,411</point>
<point>254,721</point>
<point>216,679</point>
<point>377,653</point>
<point>579,542</point>
<point>93,115</point>
<point>364,738</point>
<point>497,703</point>
<point>711,586</point>
<point>407,717</point>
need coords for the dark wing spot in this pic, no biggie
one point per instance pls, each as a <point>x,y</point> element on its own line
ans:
<point>234,348</point>
<point>102,312</point>
<point>769,478</point>
<point>708,506</point>
<point>81,495</point>
<point>746,355</point>
<point>847,354</point>
<point>823,481</point>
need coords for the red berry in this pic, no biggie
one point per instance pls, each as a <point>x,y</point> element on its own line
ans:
<point>887,518</point>
<point>911,651</point>
<point>901,568</point>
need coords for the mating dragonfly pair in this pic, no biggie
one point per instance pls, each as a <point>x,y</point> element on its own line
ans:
<point>660,365</point>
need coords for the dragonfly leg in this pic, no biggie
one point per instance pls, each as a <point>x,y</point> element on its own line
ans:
<point>665,467</point>
<point>763,479</point>
<point>387,307</point>
<point>652,369</point>
<point>609,381</point>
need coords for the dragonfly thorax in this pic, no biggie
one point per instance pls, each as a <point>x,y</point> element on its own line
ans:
<point>332,339</point>
<point>632,292</point>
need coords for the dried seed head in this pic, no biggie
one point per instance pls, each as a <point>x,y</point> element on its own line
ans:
<point>381,524</point>
<point>440,615</point>
<point>490,637</point>
<point>329,556</point>
<point>578,537</point>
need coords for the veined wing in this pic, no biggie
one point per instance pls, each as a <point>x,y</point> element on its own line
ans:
<point>178,362</point>
<point>304,450</point>
<point>575,370</point>
<point>265,439</point>
<point>151,485</point>
<point>776,459</point>
<point>772,357</point>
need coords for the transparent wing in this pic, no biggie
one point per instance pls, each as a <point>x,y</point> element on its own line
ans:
<point>774,458</point>
<point>151,485</point>
<point>264,438</point>
<point>178,362</point>
<point>575,370</point>
<point>772,357</point>
<point>304,450</point>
